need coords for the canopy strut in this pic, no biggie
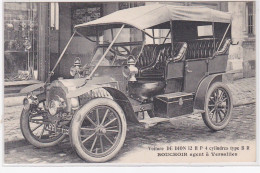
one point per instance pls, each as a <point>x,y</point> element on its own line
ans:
<point>101,59</point>
<point>223,37</point>
<point>61,55</point>
<point>221,41</point>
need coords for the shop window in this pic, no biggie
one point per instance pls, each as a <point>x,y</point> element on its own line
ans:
<point>251,18</point>
<point>85,12</point>
<point>20,41</point>
<point>125,5</point>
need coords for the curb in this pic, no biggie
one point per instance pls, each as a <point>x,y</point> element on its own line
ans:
<point>15,144</point>
<point>243,104</point>
<point>13,101</point>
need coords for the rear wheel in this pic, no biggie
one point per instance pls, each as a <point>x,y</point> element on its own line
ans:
<point>98,130</point>
<point>218,107</point>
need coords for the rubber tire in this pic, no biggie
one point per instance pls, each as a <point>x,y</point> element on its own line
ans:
<point>205,115</point>
<point>76,122</point>
<point>24,125</point>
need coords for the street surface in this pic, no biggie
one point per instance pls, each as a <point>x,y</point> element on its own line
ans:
<point>242,127</point>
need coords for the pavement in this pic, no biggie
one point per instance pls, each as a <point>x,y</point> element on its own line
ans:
<point>181,131</point>
<point>243,92</point>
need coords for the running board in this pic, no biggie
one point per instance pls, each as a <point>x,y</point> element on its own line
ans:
<point>149,122</point>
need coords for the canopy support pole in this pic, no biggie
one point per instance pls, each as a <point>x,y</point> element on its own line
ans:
<point>153,36</point>
<point>172,38</point>
<point>223,37</point>
<point>214,36</point>
<point>101,59</point>
<point>61,56</point>
<point>166,37</point>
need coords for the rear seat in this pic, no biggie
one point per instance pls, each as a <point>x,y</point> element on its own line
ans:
<point>205,48</point>
<point>153,59</point>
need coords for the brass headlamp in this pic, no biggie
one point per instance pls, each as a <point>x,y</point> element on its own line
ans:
<point>130,70</point>
<point>30,101</point>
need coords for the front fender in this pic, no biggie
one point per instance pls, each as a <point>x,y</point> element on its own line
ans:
<point>117,96</point>
<point>202,89</point>
<point>31,88</point>
<point>124,102</point>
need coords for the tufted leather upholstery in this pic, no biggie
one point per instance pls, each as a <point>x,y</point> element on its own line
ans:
<point>154,58</point>
<point>146,57</point>
<point>205,48</point>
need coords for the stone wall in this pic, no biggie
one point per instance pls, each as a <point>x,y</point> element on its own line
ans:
<point>249,58</point>
<point>242,56</point>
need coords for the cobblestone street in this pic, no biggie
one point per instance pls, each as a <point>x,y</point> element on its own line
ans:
<point>181,129</point>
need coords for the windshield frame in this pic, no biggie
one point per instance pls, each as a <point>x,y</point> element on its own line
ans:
<point>105,53</point>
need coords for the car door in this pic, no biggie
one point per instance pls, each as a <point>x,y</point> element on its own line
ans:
<point>195,70</point>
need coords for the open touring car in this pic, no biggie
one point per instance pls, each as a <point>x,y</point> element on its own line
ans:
<point>134,70</point>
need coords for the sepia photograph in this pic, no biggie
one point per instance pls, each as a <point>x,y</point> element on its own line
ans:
<point>129,83</point>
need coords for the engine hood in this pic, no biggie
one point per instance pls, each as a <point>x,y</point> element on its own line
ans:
<point>71,84</point>
<point>75,84</point>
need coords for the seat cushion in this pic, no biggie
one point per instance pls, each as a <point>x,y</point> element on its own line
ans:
<point>143,90</point>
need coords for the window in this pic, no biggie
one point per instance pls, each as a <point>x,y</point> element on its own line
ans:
<point>205,30</point>
<point>251,18</point>
<point>161,36</point>
<point>20,41</point>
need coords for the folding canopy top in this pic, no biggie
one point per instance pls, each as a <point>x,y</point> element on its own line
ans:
<point>151,15</point>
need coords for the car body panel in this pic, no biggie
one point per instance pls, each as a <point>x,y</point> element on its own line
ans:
<point>199,101</point>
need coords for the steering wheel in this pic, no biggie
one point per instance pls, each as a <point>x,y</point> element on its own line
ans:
<point>123,52</point>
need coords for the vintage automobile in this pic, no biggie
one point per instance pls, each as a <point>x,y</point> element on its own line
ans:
<point>131,82</point>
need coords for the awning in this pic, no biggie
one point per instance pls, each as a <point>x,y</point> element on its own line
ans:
<point>151,15</point>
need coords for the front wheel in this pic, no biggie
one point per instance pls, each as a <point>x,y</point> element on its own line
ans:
<point>34,129</point>
<point>218,107</point>
<point>98,130</point>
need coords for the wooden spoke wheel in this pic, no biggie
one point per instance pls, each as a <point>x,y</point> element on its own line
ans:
<point>34,127</point>
<point>218,107</point>
<point>98,130</point>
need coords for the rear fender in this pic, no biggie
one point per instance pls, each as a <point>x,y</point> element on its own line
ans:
<point>202,89</point>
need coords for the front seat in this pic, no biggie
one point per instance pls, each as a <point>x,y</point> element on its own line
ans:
<point>151,66</point>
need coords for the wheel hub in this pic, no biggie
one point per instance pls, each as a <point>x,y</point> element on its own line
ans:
<point>100,130</point>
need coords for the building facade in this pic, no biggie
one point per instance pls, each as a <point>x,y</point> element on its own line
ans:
<point>36,33</point>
